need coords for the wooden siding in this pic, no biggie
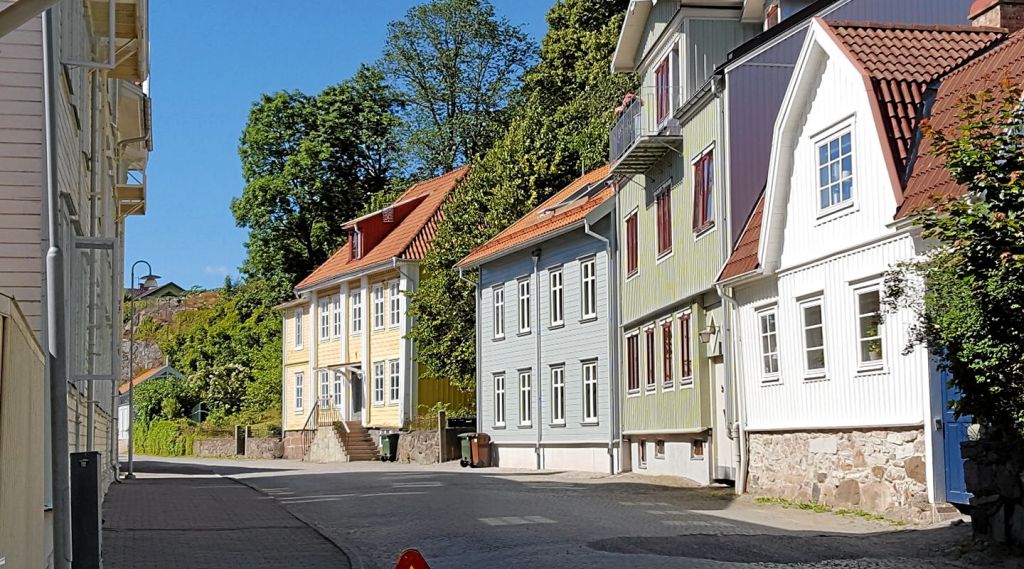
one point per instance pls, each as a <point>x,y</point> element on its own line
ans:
<point>657,22</point>
<point>355,341</point>
<point>295,355</point>
<point>569,345</point>
<point>430,391</point>
<point>896,394</point>
<point>21,162</point>
<point>708,43</point>
<point>695,261</point>
<point>296,418</point>
<point>328,350</point>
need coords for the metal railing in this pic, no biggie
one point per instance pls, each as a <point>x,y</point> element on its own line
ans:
<point>309,429</point>
<point>648,113</point>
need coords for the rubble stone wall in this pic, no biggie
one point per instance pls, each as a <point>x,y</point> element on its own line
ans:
<point>994,473</point>
<point>421,447</point>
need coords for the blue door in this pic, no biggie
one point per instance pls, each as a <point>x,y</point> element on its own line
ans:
<point>954,432</point>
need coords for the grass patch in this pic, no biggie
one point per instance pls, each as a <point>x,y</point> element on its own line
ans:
<point>824,509</point>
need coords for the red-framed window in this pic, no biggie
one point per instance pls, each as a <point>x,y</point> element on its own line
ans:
<point>704,191</point>
<point>633,363</point>
<point>686,360</point>
<point>649,346</point>
<point>663,209</point>
<point>662,91</point>
<point>666,354</point>
<point>632,264</point>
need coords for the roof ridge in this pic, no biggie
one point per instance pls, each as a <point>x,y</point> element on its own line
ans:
<point>965,28</point>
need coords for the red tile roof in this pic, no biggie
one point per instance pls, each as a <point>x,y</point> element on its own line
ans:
<point>744,257</point>
<point>411,239</point>
<point>901,60</point>
<point>541,221</point>
<point>148,374</point>
<point>930,180</point>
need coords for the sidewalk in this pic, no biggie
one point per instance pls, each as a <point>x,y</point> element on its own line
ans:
<point>184,516</point>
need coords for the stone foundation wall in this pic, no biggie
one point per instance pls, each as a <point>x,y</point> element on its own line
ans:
<point>213,447</point>
<point>994,473</point>
<point>292,445</point>
<point>264,447</point>
<point>878,471</point>
<point>421,447</point>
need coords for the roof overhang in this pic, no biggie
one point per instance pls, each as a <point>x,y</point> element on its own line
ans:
<point>134,126</point>
<point>624,58</point>
<point>347,276</point>
<point>753,11</point>
<point>520,246</point>
<point>401,203</point>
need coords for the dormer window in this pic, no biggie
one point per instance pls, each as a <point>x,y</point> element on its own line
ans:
<point>357,244</point>
<point>835,171</point>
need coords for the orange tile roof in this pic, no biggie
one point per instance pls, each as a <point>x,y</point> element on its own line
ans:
<point>901,60</point>
<point>140,378</point>
<point>744,256</point>
<point>411,239</point>
<point>540,222</point>
<point>930,180</point>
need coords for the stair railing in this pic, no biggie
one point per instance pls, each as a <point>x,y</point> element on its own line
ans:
<point>309,429</point>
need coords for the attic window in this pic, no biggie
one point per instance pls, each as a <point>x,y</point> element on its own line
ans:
<point>357,245</point>
<point>389,214</point>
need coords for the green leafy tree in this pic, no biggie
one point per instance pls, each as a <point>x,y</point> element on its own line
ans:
<point>559,127</point>
<point>457,64</point>
<point>968,292</point>
<point>309,164</point>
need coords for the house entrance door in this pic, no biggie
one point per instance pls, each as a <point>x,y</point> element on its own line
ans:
<point>356,410</point>
<point>954,432</point>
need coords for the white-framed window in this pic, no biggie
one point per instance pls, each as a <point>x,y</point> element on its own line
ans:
<point>650,348</point>
<point>336,315</point>
<point>525,398</point>
<point>339,389</point>
<point>685,349</point>
<point>378,383</point>
<point>394,381</point>
<point>325,388</point>
<point>378,306</point>
<point>869,328</point>
<point>590,412</point>
<point>498,295</point>
<point>668,378</point>
<point>324,312</point>
<point>633,363</point>
<point>558,395</point>
<point>356,302</point>
<point>588,289</point>
<point>298,328</point>
<point>300,378</point>
<point>395,304</point>
<point>812,312</point>
<point>835,170</point>
<point>557,305</point>
<point>524,306</point>
<point>499,400</point>
<point>641,453</point>
<point>768,324</point>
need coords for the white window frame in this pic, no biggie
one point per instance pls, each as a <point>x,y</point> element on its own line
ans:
<point>558,394</point>
<point>588,289</point>
<point>394,381</point>
<point>323,310</point>
<point>641,453</point>
<point>356,300</point>
<point>591,411</point>
<point>815,373</point>
<point>394,304</point>
<point>337,326</point>
<point>685,337</point>
<point>764,336</point>
<point>650,367</point>
<point>870,365</point>
<point>499,400</point>
<point>300,378</point>
<point>378,306</point>
<point>556,298</point>
<point>498,303</point>
<point>378,382</point>
<point>824,139</point>
<point>325,388</point>
<point>524,301</point>
<point>297,319</point>
<point>628,367</point>
<point>525,398</point>
<point>339,389</point>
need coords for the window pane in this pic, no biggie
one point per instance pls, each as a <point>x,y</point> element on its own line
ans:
<point>812,315</point>
<point>814,337</point>
<point>824,198</point>
<point>869,302</point>
<point>847,190</point>
<point>816,359</point>
<point>847,169</point>
<point>833,149</point>
<point>845,142</point>
<point>823,154</point>
<point>823,176</point>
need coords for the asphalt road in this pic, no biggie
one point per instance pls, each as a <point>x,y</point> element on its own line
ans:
<point>488,518</point>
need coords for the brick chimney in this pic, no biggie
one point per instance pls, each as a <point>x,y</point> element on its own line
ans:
<point>1007,14</point>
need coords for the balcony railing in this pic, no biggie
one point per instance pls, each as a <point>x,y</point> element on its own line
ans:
<point>645,129</point>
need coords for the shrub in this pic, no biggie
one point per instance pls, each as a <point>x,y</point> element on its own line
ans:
<point>165,437</point>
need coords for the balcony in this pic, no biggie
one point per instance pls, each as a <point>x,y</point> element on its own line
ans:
<point>645,131</point>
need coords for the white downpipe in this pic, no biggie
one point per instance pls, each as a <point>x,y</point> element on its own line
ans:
<point>537,382</point>
<point>732,377</point>
<point>56,340</point>
<point>613,364</point>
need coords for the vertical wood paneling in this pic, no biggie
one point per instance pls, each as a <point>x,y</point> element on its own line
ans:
<point>708,44</point>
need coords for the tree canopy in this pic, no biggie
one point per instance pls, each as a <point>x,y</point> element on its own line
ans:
<point>309,164</point>
<point>558,128</point>
<point>457,64</point>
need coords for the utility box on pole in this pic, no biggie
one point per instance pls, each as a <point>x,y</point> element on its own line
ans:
<point>85,510</point>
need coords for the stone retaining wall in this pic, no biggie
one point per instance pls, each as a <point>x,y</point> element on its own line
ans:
<point>994,473</point>
<point>878,471</point>
<point>213,447</point>
<point>292,443</point>
<point>264,447</point>
<point>421,447</point>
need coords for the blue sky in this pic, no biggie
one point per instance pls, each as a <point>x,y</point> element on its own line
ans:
<point>210,60</point>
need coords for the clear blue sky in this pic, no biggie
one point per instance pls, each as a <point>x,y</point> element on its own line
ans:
<point>210,60</point>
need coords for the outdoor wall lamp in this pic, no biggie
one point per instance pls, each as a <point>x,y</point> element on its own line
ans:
<point>706,334</point>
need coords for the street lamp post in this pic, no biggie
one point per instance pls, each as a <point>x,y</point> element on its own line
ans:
<point>131,371</point>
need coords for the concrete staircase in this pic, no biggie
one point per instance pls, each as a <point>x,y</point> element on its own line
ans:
<point>342,442</point>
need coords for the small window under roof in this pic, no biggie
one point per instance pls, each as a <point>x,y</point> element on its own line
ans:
<point>585,192</point>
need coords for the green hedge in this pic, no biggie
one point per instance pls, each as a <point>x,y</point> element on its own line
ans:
<point>165,437</point>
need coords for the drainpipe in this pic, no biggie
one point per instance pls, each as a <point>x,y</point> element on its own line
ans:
<point>539,383</point>
<point>613,324</point>
<point>737,429</point>
<point>476,349</point>
<point>55,318</point>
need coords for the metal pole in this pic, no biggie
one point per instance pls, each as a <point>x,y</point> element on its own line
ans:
<point>131,372</point>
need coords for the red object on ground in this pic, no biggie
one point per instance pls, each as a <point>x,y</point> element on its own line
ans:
<point>411,559</point>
